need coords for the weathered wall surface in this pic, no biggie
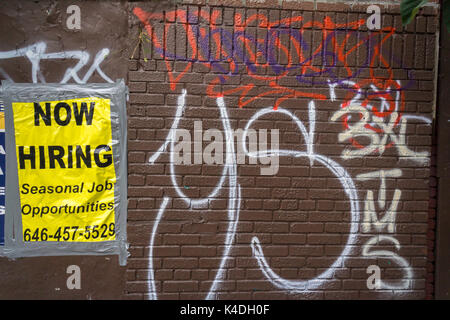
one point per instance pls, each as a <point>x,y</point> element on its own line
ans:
<point>442,277</point>
<point>346,187</point>
<point>37,46</point>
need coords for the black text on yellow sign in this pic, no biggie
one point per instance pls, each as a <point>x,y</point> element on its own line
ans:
<point>66,170</point>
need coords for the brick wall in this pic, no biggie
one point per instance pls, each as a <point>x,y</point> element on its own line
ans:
<point>357,196</point>
<point>355,113</point>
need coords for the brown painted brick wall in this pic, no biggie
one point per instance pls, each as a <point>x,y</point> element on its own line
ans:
<point>257,54</point>
<point>264,56</point>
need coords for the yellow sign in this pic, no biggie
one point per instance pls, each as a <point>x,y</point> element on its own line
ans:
<point>2,120</point>
<point>66,170</point>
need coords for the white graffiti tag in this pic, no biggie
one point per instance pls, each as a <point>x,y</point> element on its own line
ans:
<point>370,214</point>
<point>35,53</point>
<point>387,222</point>
<point>379,130</point>
<point>379,214</point>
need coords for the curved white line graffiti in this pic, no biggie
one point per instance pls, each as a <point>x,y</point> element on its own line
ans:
<point>151,273</point>
<point>346,182</point>
<point>229,172</point>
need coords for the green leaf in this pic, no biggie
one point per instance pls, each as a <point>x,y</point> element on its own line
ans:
<point>409,9</point>
<point>446,14</point>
